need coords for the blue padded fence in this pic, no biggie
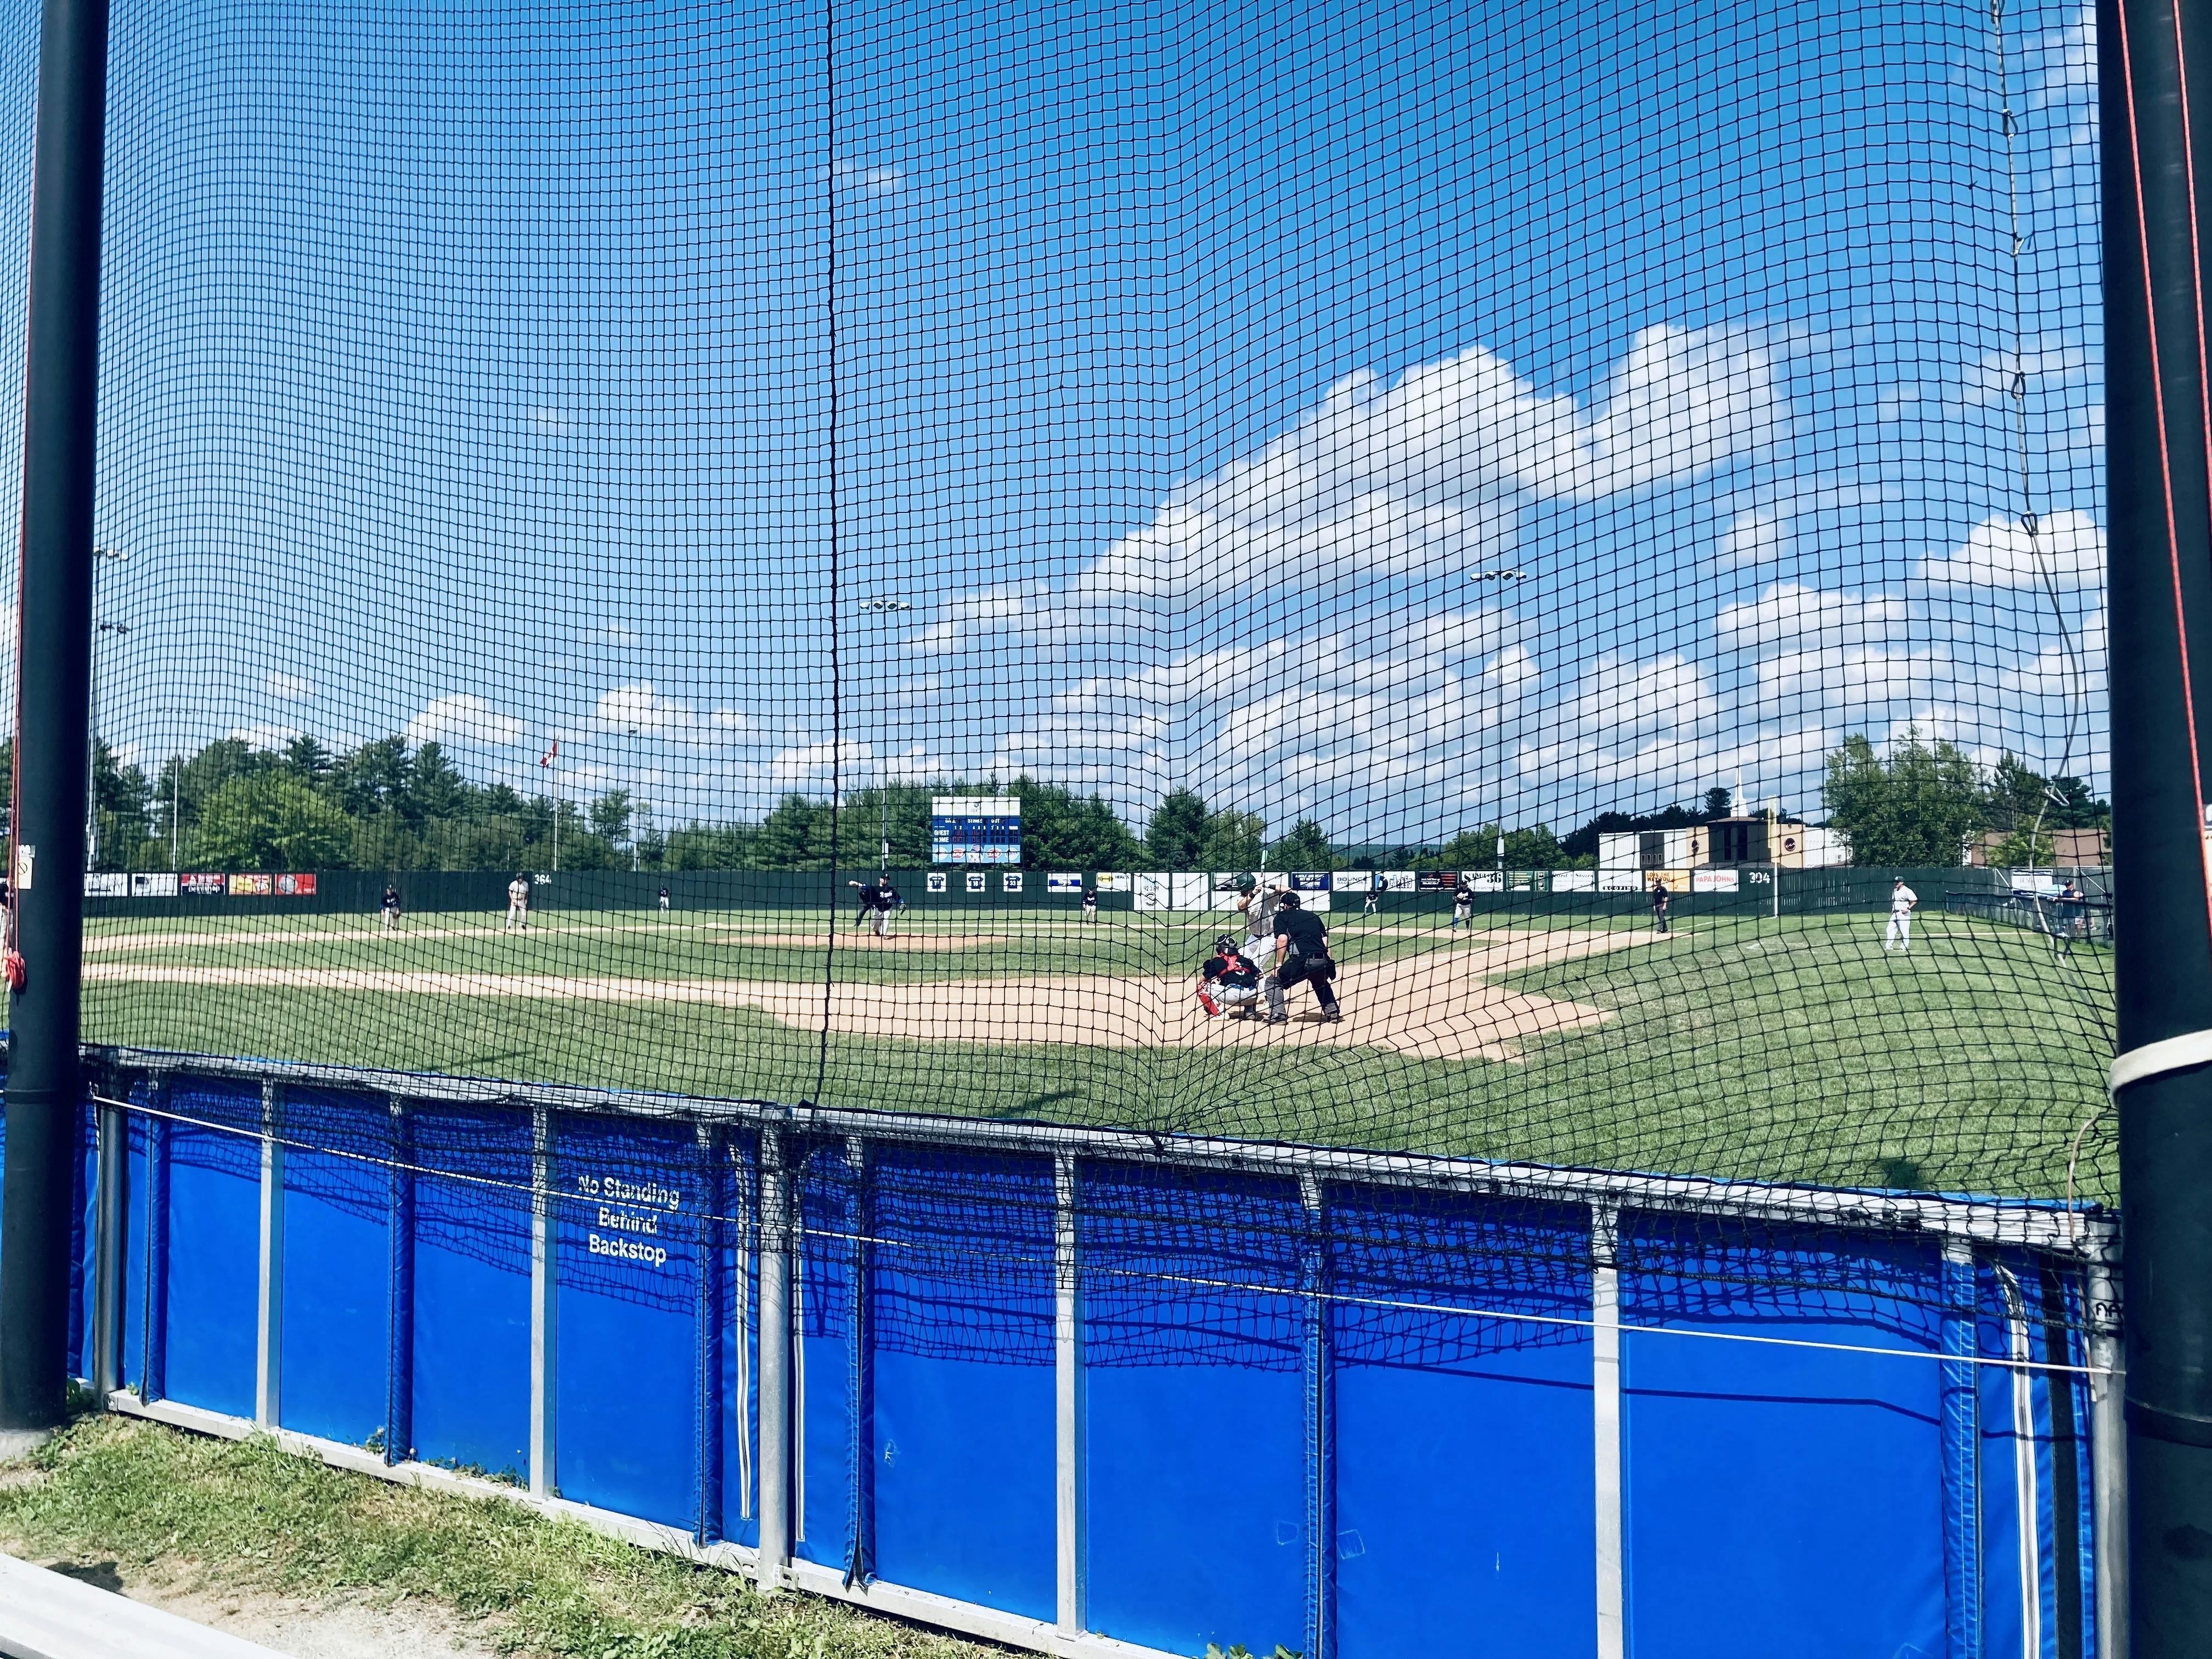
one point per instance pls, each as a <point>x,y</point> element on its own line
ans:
<point>1096,1393</point>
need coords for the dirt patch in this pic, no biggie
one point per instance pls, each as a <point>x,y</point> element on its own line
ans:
<point>352,1628</point>
<point>305,934</point>
<point>1438,1004</point>
<point>736,938</point>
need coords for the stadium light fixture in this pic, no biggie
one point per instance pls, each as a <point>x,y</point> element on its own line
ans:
<point>92,736</point>
<point>882,608</point>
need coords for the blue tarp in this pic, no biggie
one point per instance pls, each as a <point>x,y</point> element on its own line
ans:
<point>1360,1418</point>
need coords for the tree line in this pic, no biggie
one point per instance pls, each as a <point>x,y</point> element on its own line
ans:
<point>388,805</point>
<point>1922,802</point>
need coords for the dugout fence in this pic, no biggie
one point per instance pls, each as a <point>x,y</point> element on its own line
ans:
<point>1094,1393</point>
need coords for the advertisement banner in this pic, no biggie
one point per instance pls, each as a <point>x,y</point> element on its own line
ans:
<point>1620,881</point>
<point>1434,881</point>
<point>252,886</point>
<point>1064,881</point>
<point>1353,881</point>
<point>1309,882</point>
<point>1116,881</point>
<point>209,884</point>
<point>1714,881</point>
<point>153,885</point>
<point>1151,890</point>
<point>1486,881</point>
<point>296,886</point>
<point>1574,881</point>
<point>107,883</point>
<point>1190,889</point>
<point>1398,881</point>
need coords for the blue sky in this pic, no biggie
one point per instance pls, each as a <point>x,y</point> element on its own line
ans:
<point>467,372</point>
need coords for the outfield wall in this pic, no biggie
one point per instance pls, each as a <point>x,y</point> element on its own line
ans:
<point>359,892</point>
<point>1100,1392</point>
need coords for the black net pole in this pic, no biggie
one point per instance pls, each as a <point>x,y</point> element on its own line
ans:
<point>2157,210</point>
<point>54,653</point>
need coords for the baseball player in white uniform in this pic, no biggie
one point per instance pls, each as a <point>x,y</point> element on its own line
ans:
<point>518,905</point>
<point>1258,908</point>
<point>1898,937</point>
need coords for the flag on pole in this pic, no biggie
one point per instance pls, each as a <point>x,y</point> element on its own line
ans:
<point>550,755</point>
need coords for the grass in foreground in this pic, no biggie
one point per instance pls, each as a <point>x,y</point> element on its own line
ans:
<point>248,1516</point>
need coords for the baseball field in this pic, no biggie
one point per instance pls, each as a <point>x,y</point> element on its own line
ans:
<point>1779,1048</point>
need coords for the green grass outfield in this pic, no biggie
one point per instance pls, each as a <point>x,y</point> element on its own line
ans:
<point>1788,1048</point>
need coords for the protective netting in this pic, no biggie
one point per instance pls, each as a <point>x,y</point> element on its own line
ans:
<point>1471,469</point>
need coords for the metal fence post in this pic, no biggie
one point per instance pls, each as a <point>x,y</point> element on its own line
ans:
<point>774,1361</point>
<point>708,1231</point>
<point>107,1255</point>
<point>1961,1439</point>
<point>1320,1424</point>
<point>544,1329</point>
<point>860,1377</point>
<point>2108,1456</point>
<point>269,1338</point>
<point>153,1343</point>
<point>1067,1397</point>
<point>1605,1389</point>
<point>399,1295</point>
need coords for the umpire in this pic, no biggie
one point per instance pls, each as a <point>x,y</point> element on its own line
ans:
<point>1301,953</point>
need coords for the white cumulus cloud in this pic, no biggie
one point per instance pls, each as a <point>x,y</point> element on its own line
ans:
<point>639,709</point>
<point>263,737</point>
<point>2066,549</point>
<point>1789,611</point>
<point>1756,536</point>
<point>463,718</point>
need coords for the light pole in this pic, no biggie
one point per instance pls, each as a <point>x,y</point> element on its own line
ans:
<point>176,792</point>
<point>92,726</point>
<point>883,608</point>
<point>634,865</point>
<point>92,745</point>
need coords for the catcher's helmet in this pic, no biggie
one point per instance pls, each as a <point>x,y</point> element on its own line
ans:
<point>1289,901</point>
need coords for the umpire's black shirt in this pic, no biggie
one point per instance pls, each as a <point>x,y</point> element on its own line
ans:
<point>1307,934</point>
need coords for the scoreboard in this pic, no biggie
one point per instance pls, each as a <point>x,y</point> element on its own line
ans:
<point>976,830</point>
